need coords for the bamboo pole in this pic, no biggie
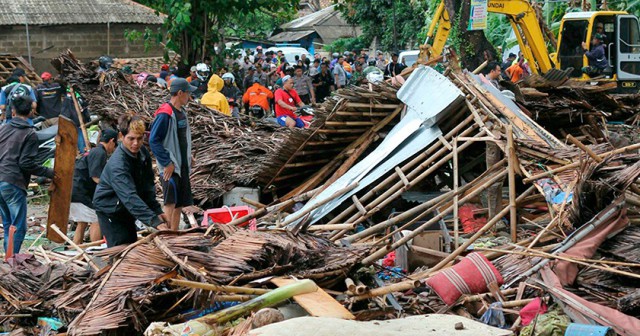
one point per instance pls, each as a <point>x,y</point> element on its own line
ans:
<point>330,227</point>
<point>417,160</point>
<point>390,195</point>
<point>425,209</point>
<point>85,135</point>
<point>299,214</point>
<point>513,210</point>
<point>586,149</point>
<point>55,228</point>
<point>464,246</point>
<point>381,252</point>
<point>577,163</point>
<point>456,177</point>
<point>217,288</point>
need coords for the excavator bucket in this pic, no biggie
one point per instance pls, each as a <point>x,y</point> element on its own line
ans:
<point>553,78</point>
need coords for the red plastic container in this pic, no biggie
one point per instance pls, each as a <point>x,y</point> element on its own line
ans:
<point>227,214</point>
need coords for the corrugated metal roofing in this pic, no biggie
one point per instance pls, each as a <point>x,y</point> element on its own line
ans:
<point>58,12</point>
<point>291,36</point>
<point>308,21</point>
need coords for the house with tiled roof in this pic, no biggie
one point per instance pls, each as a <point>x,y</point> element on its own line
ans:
<point>41,29</point>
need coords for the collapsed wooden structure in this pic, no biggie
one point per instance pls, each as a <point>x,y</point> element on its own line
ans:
<point>551,236</point>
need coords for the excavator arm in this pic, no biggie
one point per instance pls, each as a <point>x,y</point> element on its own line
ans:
<point>524,22</point>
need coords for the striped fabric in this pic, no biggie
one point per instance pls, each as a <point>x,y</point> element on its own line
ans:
<point>472,275</point>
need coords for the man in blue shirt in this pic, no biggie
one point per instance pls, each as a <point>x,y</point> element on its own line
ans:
<point>16,88</point>
<point>170,142</point>
<point>597,59</point>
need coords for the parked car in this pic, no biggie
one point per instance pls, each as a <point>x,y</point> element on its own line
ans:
<point>290,53</point>
<point>409,57</point>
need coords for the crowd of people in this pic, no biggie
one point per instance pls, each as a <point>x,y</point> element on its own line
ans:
<point>257,83</point>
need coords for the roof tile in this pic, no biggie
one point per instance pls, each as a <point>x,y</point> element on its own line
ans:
<point>58,12</point>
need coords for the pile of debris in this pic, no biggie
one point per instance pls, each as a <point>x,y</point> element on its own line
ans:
<point>229,151</point>
<point>457,202</point>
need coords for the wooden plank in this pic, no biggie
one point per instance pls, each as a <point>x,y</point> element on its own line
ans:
<point>66,150</point>
<point>318,303</point>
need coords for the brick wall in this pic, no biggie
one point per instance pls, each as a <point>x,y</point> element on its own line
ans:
<point>86,42</point>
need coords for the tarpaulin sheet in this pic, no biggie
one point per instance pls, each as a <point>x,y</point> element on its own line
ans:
<point>622,324</point>
<point>587,246</point>
<point>405,139</point>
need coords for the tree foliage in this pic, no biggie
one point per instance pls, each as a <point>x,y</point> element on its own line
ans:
<point>194,27</point>
<point>347,44</point>
<point>376,18</point>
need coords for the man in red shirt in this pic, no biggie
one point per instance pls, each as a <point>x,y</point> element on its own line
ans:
<point>286,101</point>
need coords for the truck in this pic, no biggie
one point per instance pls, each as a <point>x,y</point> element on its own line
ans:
<point>622,42</point>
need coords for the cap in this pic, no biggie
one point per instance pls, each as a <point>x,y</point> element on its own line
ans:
<point>18,72</point>
<point>599,37</point>
<point>259,47</point>
<point>108,134</point>
<point>181,84</point>
<point>164,67</point>
<point>45,76</point>
<point>193,69</point>
<point>512,55</point>
<point>286,78</point>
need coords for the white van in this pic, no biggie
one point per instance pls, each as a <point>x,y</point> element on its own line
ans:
<point>290,53</point>
<point>408,57</point>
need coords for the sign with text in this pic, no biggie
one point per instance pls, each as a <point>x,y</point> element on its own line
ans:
<point>478,15</point>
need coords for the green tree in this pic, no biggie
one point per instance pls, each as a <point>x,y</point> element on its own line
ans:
<point>194,27</point>
<point>377,18</point>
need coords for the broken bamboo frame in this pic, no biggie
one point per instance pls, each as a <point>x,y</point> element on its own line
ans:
<point>511,158</point>
<point>55,228</point>
<point>301,213</point>
<point>456,196</point>
<point>576,164</point>
<point>383,251</point>
<point>425,155</point>
<point>419,210</point>
<point>396,190</point>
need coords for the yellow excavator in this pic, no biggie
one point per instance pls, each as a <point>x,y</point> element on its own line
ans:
<point>622,42</point>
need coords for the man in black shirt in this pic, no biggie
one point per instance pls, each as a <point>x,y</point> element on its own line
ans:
<point>127,191</point>
<point>394,68</point>
<point>49,95</point>
<point>86,177</point>
<point>323,83</point>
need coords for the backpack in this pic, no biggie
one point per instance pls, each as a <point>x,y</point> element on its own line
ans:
<point>13,92</point>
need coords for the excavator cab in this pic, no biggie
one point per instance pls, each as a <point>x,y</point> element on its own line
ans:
<point>622,46</point>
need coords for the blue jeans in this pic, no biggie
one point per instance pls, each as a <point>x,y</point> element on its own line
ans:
<point>13,209</point>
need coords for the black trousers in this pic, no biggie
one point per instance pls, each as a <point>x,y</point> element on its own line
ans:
<point>306,99</point>
<point>118,228</point>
